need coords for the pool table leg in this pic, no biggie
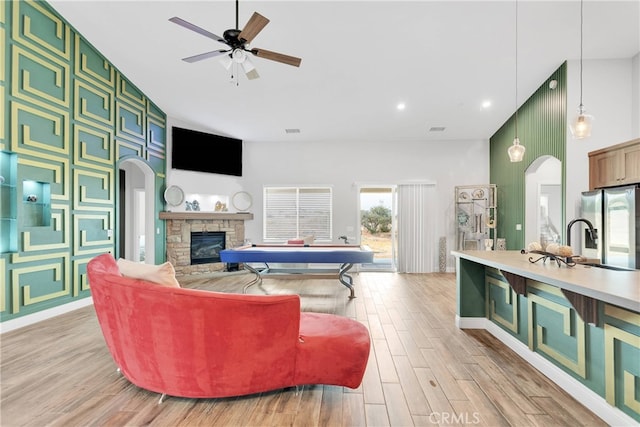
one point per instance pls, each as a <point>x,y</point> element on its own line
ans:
<point>257,279</point>
<point>347,280</point>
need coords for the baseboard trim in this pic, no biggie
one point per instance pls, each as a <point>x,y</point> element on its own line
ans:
<point>596,403</point>
<point>30,319</point>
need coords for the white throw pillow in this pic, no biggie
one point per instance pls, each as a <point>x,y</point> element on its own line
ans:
<point>163,274</point>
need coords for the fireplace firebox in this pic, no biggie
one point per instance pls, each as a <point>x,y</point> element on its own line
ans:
<point>206,246</point>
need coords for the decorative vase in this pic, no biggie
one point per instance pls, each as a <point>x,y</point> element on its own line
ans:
<point>501,244</point>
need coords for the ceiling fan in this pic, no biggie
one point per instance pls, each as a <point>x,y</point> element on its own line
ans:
<point>238,45</point>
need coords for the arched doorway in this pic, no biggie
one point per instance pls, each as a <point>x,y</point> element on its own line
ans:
<point>544,201</point>
<point>136,209</point>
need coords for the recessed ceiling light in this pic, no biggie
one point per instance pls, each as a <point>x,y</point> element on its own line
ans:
<point>486,104</point>
<point>437,129</point>
<point>292,130</point>
<point>401,106</point>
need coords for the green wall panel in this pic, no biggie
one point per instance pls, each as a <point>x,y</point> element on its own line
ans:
<point>542,130</point>
<point>70,117</point>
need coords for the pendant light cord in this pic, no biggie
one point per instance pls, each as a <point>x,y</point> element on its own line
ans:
<point>581,37</point>
<point>516,68</point>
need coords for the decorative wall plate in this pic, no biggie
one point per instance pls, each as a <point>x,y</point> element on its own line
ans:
<point>463,196</point>
<point>478,194</point>
<point>174,195</point>
<point>242,201</point>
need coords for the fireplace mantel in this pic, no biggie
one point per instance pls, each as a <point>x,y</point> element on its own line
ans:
<point>244,216</point>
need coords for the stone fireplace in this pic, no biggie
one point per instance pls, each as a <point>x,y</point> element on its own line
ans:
<point>181,225</point>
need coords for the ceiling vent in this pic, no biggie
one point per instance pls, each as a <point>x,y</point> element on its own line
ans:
<point>292,130</point>
<point>437,129</point>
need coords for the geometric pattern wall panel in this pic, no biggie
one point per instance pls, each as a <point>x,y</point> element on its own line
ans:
<point>56,236</point>
<point>93,105</point>
<point>130,94</point>
<point>3,285</point>
<point>93,148</point>
<point>80,281</point>
<point>68,117</point>
<point>93,233</point>
<point>53,170</point>
<point>36,130</point>
<point>156,141</point>
<point>130,123</point>
<point>44,280</point>
<point>622,359</point>
<point>93,189</point>
<point>92,67</point>
<point>547,308</point>
<point>502,300</point>
<point>4,48</point>
<point>41,30</point>
<point>37,80</point>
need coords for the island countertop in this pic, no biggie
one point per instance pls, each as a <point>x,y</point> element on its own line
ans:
<point>621,288</point>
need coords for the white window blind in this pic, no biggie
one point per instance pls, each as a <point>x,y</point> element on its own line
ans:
<point>291,212</point>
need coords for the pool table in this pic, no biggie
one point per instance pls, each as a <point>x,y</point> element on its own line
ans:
<point>344,255</point>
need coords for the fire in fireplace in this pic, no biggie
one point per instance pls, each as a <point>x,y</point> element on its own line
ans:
<point>206,246</point>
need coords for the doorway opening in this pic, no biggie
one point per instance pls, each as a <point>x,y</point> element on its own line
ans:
<point>377,224</point>
<point>136,206</point>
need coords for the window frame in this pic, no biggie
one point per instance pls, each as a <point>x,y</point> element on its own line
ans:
<point>321,234</point>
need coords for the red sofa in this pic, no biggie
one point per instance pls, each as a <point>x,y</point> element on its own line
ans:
<point>202,344</point>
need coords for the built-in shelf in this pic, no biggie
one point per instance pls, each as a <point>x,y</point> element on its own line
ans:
<point>244,216</point>
<point>36,203</point>
<point>8,202</point>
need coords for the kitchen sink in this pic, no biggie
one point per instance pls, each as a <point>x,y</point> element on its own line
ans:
<point>605,266</point>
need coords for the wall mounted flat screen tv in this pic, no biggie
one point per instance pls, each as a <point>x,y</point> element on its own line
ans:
<point>205,152</point>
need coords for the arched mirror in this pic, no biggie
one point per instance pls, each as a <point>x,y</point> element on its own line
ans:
<point>543,201</point>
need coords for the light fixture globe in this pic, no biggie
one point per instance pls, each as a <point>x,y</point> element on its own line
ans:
<point>238,56</point>
<point>581,125</point>
<point>516,151</point>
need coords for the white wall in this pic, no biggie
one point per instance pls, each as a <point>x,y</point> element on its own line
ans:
<point>611,95</point>
<point>344,165</point>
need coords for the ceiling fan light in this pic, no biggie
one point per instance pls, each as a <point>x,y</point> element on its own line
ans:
<point>226,61</point>
<point>239,56</point>
<point>253,74</point>
<point>516,151</point>
<point>581,125</point>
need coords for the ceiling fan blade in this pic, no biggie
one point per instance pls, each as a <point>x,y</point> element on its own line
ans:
<point>192,27</point>
<point>256,23</point>
<point>275,56</point>
<point>206,55</point>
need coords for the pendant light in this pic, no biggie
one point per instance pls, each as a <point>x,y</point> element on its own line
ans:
<point>516,151</point>
<point>581,124</point>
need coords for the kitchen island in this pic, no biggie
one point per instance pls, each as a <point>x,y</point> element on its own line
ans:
<point>578,325</point>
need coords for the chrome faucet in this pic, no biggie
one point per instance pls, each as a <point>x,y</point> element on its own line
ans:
<point>592,231</point>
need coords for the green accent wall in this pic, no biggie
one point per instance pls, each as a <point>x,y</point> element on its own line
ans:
<point>69,117</point>
<point>542,122</point>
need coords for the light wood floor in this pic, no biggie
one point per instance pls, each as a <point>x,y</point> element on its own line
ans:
<point>423,371</point>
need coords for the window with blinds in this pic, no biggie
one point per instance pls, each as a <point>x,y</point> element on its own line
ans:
<point>291,212</point>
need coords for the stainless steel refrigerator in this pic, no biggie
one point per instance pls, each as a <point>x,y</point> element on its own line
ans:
<point>615,213</point>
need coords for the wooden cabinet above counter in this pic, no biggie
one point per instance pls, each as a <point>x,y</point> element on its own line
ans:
<point>615,165</point>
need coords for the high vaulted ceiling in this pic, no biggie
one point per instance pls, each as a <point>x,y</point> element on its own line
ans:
<point>443,59</point>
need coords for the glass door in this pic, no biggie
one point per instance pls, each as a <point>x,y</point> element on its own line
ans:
<point>377,223</point>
